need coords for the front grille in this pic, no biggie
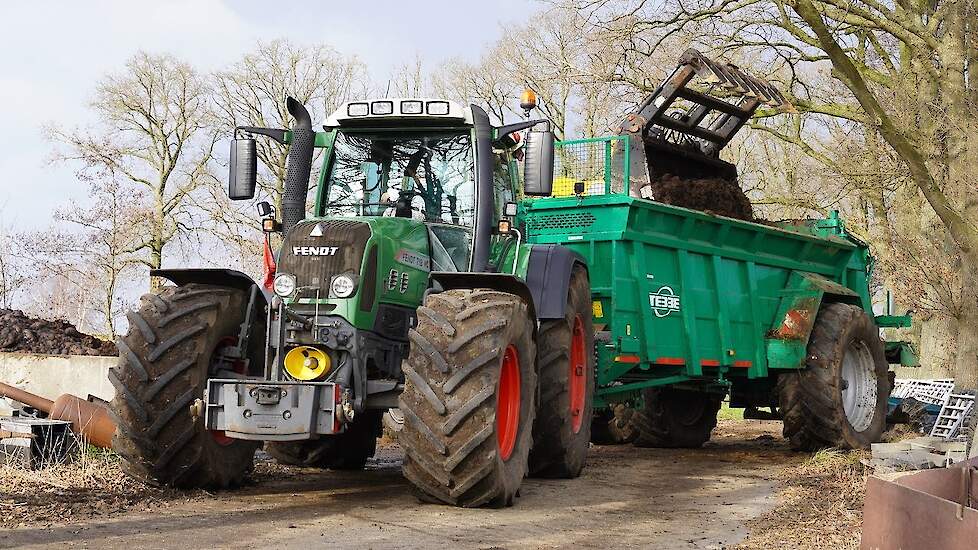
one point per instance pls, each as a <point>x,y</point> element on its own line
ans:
<point>337,246</point>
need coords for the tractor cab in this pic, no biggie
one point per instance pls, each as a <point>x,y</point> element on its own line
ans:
<point>411,165</point>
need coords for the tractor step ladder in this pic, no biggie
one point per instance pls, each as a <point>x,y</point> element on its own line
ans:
<point>952,415</point>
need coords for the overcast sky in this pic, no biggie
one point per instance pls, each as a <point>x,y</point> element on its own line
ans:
<point>53,52</point>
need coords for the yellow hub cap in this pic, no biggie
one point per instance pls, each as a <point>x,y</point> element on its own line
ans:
<point>306,363</point>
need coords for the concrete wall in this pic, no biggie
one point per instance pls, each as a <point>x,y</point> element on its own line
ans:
<point>52,375</point>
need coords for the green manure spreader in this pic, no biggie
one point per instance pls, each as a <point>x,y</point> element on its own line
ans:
<point>493,295</point>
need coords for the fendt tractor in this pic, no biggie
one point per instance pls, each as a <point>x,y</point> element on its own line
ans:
<point>440,274</point>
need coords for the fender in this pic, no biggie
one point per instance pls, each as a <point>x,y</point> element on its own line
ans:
<point>216,277</point>
<point>496,281</point>
<point>255,320</point>
<point>548,274</point>
<point>786,340</point>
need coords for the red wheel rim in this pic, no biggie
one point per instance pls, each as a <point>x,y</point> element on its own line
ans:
<point>508,403</point>
<point>578,375</point>
<point>240,367</point>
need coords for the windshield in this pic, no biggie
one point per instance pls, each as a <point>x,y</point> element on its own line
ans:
<point>425,176</point>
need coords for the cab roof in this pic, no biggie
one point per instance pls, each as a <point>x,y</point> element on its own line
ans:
<point>415,109</point>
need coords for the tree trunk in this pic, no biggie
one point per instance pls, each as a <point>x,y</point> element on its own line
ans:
<point>937,349</point>
<point>966,362</point>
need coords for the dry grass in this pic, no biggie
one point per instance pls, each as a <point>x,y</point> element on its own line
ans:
<point>91,484</point>
<point>820,506</point>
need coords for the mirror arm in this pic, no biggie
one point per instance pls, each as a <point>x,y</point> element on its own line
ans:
<point>278,134</point>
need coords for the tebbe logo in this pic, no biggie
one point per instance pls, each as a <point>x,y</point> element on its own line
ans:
<point>664,301</point>
<point>314,250</point>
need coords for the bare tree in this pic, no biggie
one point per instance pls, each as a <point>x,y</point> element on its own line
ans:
<point>252,92</point>
<point>409,80</point>
<point>155,132</point>
<point>12,272</point>
<point>82,264</point>
<point>485,83</point>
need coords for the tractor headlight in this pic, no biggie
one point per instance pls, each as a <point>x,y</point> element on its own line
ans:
<point>284,284</point>
<point>342,286</point>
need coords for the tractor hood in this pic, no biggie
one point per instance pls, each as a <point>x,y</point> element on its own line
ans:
<point>386,258</point>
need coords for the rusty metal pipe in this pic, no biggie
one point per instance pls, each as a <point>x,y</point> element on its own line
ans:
<point>27,398</point>
<point>87,419</point>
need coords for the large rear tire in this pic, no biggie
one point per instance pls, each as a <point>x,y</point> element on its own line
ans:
<point>565,355</point>
<point>840,398</point>
<point>468,399</point>
<point>676,418</point>
<point>164,364</point>
<point>346,451</point>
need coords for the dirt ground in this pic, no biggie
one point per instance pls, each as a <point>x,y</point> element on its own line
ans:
<point>628,497</point>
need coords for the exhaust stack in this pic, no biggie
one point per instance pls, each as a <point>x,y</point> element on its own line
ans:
<point>298,166</point>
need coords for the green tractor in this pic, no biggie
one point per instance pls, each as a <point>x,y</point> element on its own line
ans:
<point>406,288</point>
<point>441,274</point>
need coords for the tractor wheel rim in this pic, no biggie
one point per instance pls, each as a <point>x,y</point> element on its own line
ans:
<point>578,375</point>
<point>508,403</point>
<point>858,385</point>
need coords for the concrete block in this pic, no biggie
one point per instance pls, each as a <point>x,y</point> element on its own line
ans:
<point>957,456</point>
<point>925,442</point>
<point>915,459</point>
<point>938,460</point>
<point>878,449</point>
<point>949,446</point>
<point>52,375</point>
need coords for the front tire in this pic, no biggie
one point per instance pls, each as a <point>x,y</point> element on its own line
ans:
<point>676,418</point>
<point>840,398</point>
<point>164,364</point>
<point>565,352</point>
<point>468,399</point>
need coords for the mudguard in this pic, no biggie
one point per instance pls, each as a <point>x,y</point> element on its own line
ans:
<point>216,277</point>
<point>548,275</point>
<point>786,341</point>
<point>505,282</point>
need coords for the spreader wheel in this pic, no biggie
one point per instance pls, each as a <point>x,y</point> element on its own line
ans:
<point>840,398</point>
<point>468,400</point>
<point>674,417</point>
<point>565,355</point>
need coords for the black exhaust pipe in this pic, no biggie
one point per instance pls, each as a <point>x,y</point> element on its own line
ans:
<point>298,166</point>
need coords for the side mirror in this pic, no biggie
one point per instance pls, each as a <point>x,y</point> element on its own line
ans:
<point>538,163</point>
<point>244,169</point>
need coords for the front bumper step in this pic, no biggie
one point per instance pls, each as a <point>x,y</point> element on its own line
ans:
<point>271,411</point>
